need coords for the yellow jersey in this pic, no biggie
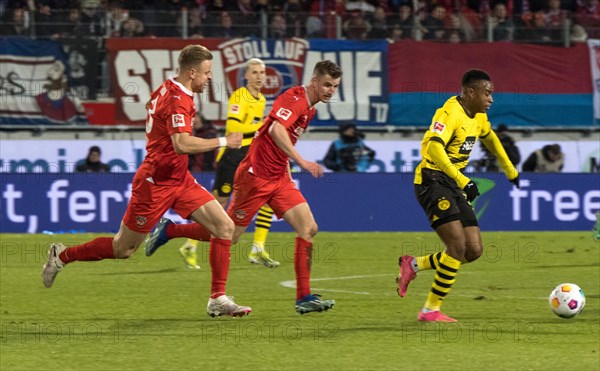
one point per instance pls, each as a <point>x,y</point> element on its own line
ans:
<point>245,115</point>
<point>457,132</point>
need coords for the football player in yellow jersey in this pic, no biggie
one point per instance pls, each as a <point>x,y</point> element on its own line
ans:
<point>244,115</point>
<point>445,193</point>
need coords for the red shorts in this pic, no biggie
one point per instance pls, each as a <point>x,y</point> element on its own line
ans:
<point>250,193</point>
<point>149,201</point>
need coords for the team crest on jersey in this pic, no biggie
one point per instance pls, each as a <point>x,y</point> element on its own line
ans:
<point>178,120</point>
<point>234,108</point>
<point>140,220</point>
<point>443,204</point>
<point>240,214</point>
<point>438,127</point>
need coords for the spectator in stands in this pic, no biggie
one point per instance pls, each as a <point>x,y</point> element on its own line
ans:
<point>435,24</point>
<point>588,15</point>
<point>14,23</point>
<point>402,24</point>
<point>323,15</point>
<point>294,12</point>
<point>489,162</point>
<point>92,163</point>
<point>502,25</point>
<point>278,29</point>
<point>578,33</point>
<point>379,26</point>
<point>356,27</point>
<point>91,22</point>
<point>246,18</point>
<point>131,27</point>
<point>224,29</point>
<point>548,159</point>
<point>349,153</point>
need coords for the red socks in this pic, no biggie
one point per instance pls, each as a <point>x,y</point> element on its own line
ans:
<point>194,231</point>
<point>302,262</point>
<point>98,249</point>
<point>219,257</point>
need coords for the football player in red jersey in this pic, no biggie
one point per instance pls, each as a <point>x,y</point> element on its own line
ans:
<point>163,181</point>
<point>263,176</point>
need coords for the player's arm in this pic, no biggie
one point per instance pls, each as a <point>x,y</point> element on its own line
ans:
<point>280,136</point>
<point>493,144</point>
<point>185,144</point>
<point>437,153</point>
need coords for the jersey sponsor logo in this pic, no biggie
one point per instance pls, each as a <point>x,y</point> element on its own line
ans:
<point>467,145</point>
<point>235,108</point>
<point>284,113</point>
<point>438,127</point>
<point>178,120</point>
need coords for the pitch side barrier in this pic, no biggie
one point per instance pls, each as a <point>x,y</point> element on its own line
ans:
<point>68,202</point>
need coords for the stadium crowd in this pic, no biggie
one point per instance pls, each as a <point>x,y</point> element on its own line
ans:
<point>537,21</point>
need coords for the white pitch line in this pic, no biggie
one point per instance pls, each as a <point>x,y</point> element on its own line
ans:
<point>292,283</point>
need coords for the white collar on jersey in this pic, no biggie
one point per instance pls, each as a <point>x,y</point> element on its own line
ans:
<point>185,90</point>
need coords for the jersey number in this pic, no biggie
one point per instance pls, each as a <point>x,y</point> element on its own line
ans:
<point>151,109</point>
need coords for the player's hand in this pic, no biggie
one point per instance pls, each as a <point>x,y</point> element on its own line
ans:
<point>471,191</point>
<point>515,182</point>
<point>313,168</point>
<point>234,140</point>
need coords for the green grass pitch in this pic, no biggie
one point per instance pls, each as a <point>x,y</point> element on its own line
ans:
<point>150,313</point>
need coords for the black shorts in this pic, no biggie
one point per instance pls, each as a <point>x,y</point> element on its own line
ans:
<point>443,201</point>
<point>226,168</point>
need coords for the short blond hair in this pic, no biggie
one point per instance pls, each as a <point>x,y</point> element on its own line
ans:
<point>193,55</point>
<point>253,61</point>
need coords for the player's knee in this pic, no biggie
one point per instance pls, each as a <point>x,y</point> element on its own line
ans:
<point>224,230</point>
<point>309,231</point>
<point>473,253</point>
<point>124,251</point>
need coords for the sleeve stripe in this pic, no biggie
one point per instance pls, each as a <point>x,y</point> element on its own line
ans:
<point>234,119</point>
<point>437,139</point>
<point>484,136</point>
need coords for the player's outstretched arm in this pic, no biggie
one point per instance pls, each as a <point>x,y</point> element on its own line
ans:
<point>493,144</point>
<point>281,138</point>
<point>185,144</point>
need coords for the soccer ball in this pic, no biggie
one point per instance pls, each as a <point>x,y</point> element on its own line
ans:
<point>567,300</point>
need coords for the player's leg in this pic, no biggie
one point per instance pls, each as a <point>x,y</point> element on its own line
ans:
<point>301,219</point>
<point>122,246</point>
<point>213,217</point>
<point>259,254</point>
<point>188,252</point>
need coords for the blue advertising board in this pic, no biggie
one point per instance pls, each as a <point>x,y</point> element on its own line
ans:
<point>33,203</point>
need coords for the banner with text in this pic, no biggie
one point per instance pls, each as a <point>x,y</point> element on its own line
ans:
<point>140,65</point>
<point>127,155</point>
<point>34,203</point>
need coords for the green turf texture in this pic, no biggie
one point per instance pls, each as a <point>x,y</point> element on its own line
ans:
<point>150,313</point>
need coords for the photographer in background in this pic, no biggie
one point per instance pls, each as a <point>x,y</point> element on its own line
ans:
<point>349,153</point>
<point>92,163</point>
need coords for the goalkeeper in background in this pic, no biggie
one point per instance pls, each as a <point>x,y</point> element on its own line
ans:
<point>445,193</point>
<point>245,115</point>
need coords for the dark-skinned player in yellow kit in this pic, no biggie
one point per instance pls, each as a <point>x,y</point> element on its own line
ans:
<point>445,193</point>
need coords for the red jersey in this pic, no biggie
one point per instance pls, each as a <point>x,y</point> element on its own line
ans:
<point>293,110</point>
<point>171,110</point>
